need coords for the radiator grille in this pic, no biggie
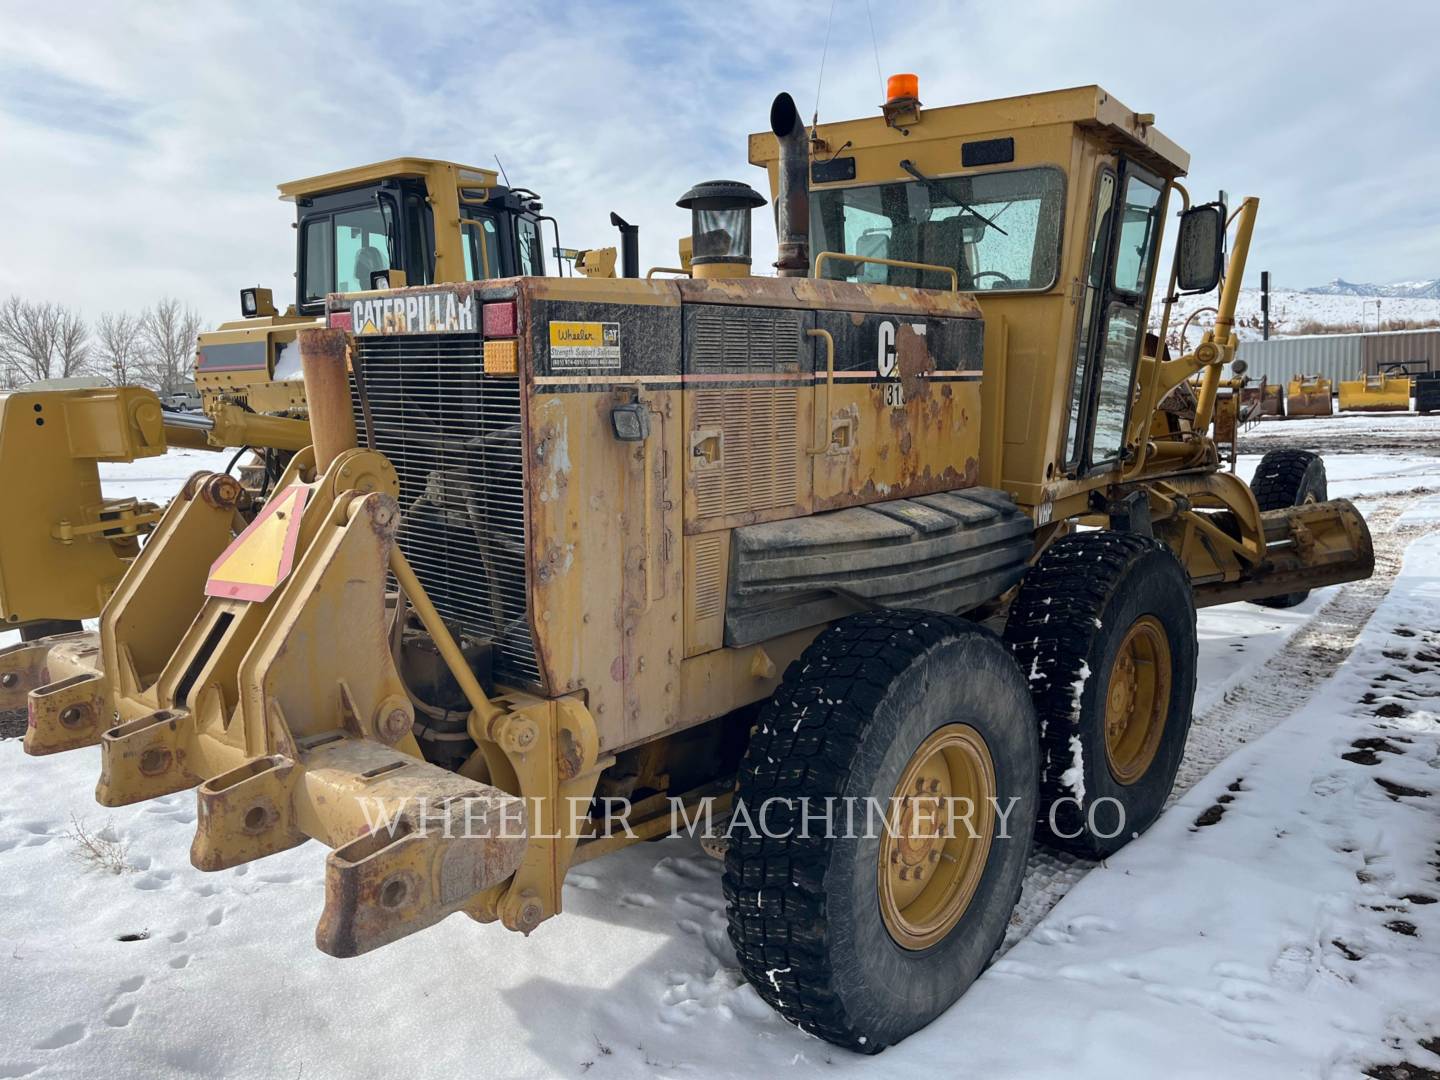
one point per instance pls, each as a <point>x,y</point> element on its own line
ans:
<point>455,438</point>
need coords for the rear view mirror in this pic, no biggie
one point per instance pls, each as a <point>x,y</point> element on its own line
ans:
<point>1200,249</point>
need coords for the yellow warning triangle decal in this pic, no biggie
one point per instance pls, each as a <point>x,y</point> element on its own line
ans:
<point>260,558</point>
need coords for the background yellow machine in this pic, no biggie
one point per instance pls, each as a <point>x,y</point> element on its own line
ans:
<point>803,545</point>
<point>64,545</point>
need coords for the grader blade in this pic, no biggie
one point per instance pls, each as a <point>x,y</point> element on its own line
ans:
<point>1306,547</point>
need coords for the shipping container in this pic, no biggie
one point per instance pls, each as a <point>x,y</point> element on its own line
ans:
<point>1333,356</point>
<point>1419,350</point>
<point>1341,356</point>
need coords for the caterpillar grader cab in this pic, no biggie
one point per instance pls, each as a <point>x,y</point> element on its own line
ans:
<point>893,558</point>
<point>414,221</point>
<point>65,545</point>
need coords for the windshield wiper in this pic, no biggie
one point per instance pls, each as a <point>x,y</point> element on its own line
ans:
<point>935,188</point>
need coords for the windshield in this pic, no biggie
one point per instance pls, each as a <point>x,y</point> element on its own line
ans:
<point>343,249</point>
<point>1000,231</point>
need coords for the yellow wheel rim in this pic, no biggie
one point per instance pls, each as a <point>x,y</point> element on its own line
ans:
<point>1137,700</point>
<point>939,826</point>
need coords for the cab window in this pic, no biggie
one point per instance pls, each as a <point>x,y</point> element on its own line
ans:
<point>529,257</point>
<point>419,245</point>
<point>319,264</point>
<point>1138,220</point>
<point>1118,349</point>
<point>342,250</point>
<point>999,230</point>
<point>1117,283</point>
<point>481,247</point>
<point>1094,291</point>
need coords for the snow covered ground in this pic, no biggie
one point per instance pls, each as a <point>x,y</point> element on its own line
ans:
<point>1277,921</point>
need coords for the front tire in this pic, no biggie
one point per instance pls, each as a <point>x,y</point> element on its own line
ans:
<point>1104,628</point>
<point>1288,478</point>
<point>859,933</point>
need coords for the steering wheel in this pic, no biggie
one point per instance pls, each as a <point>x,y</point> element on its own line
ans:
<point>1005,279</point>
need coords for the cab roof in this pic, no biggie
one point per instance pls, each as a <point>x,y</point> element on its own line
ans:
<point>393,168</point>
<point>1090,107</point>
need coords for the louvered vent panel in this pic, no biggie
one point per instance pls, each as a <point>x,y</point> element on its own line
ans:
<point>759,424</point>
<point>454,435</point>
<point>744,341</point>
<point>709,591</point>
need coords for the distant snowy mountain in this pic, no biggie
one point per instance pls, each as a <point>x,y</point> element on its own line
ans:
<point>1400,290</point>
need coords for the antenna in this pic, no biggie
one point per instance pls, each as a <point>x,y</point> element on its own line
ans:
<point>829,23</point>
<point>502,171</point>
<point>875,44</point>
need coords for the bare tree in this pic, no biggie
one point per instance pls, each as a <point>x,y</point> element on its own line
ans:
<point>168,331</point>
<point>72,344</point>
<point>120,346</point>
<point>41,341</point>
<point>27,338</point>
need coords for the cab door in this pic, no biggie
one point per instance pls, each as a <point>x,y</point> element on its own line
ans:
<point>1128,207</point>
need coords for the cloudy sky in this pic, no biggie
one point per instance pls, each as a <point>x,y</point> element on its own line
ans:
<point>142,142</point>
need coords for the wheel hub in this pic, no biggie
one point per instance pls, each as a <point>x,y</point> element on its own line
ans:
<point>1137,700</point>
<point>938,830</point>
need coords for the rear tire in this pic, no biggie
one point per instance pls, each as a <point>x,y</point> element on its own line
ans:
<point>815,919</point>
<point>1104,629</point>
<point>1288,478</point>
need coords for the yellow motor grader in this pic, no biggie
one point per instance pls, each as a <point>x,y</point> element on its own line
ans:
<point>908,527</point>
<point>64,545</point>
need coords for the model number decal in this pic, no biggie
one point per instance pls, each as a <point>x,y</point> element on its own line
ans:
<point>887,361</point>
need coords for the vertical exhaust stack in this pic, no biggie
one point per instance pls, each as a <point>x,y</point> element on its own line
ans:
<point>327,390</point>
<point>792,203</point>
<point>629,246</point>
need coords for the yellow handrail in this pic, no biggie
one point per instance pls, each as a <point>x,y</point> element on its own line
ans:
<point>847,257</point>
<point>825,336</point>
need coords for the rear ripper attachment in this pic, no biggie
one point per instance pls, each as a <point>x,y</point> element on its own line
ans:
<point>291,726</point>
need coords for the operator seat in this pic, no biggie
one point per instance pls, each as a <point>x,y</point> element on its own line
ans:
<point>367,260</point>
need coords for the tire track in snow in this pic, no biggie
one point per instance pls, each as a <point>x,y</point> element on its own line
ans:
<point>1273,691</point>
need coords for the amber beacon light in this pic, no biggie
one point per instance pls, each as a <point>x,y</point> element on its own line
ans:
<point>902,86</point>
